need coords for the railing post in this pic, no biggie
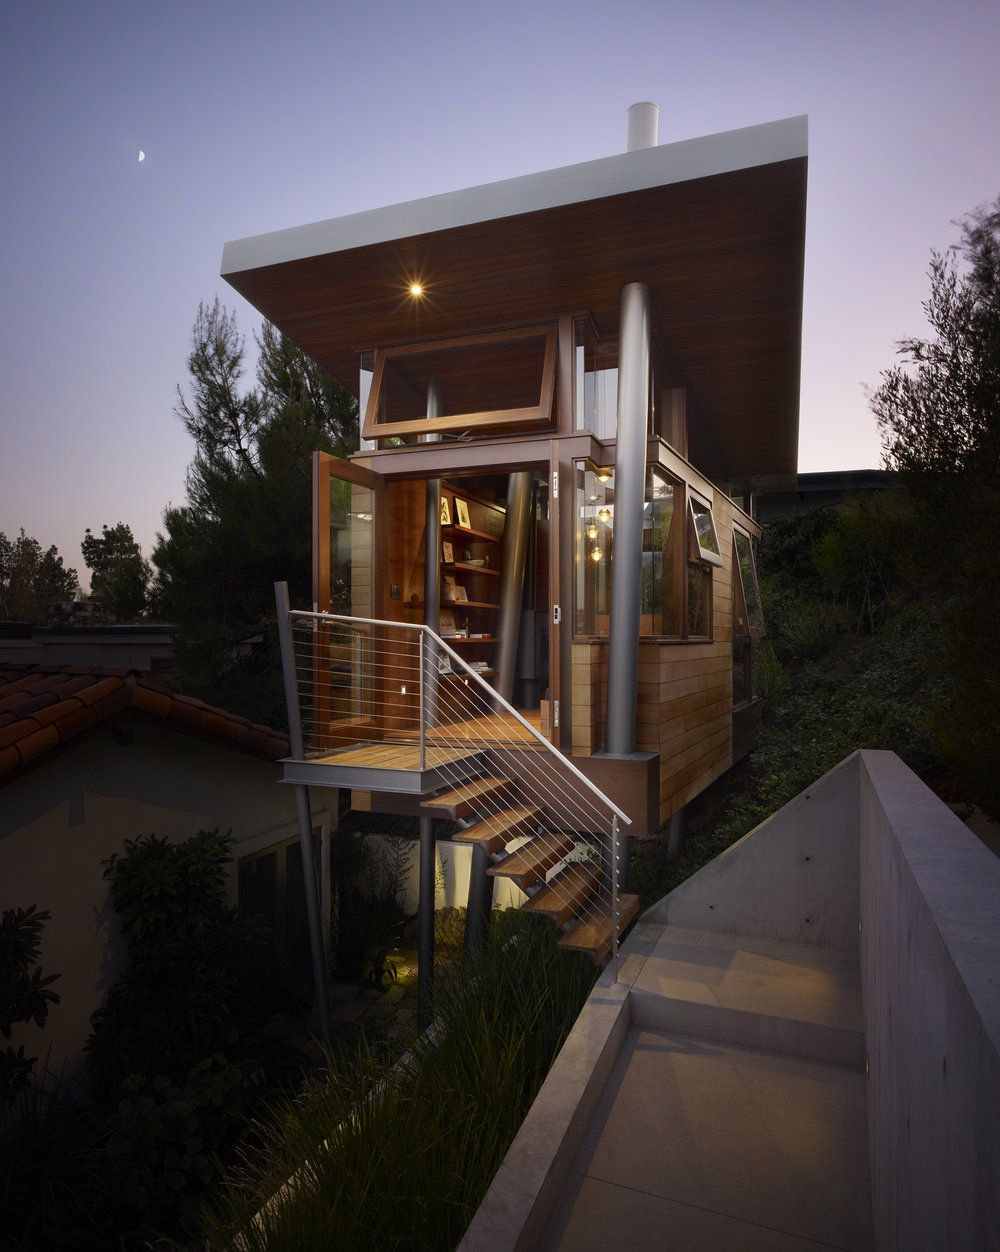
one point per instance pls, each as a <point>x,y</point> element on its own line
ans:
<point>423,696</point>
<point>614,897</point>
<point>309,883</point>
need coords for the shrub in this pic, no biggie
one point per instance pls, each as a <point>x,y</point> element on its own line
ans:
<point>24,992</point>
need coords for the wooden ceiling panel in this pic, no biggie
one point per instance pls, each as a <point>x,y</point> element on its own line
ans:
<point>723,256</point>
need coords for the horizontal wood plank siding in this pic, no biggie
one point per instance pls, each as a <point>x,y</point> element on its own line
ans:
<point>684,696</point>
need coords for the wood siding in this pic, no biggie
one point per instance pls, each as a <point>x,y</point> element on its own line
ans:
<point>684,705</point>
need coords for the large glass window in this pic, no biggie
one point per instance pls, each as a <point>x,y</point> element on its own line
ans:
<point>596,366</point>
<point>498,379</point>
<point>675,587</point>
<point>662,595</point>
<point>595,515</point>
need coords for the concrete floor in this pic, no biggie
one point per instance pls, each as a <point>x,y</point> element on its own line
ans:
<point>710,1100</point>
<point>699,1145</point>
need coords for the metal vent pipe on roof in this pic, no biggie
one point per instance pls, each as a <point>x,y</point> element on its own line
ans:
<point>643,123</point>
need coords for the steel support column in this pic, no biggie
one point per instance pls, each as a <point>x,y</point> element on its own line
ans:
<point>630,486</point>
<point>516,529</point>
<point>309,881</point>
<point>425,926</point>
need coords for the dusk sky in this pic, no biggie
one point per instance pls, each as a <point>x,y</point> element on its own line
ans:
<point>257,117</point>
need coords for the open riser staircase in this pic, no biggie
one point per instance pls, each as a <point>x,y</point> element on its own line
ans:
<point>392,708</point>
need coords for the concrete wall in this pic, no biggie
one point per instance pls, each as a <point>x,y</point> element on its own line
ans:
<point>793,878</point>
<point>62,819</point>
<point>930,957</point>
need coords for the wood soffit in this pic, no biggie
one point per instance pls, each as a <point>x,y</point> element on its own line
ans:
<point>723,256</point>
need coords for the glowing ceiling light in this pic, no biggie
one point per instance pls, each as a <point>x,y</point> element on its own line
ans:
<point>604,476</point>
<point>591,531</point>
<point>416,289</point>
<point>596,554</point>
<point>604,515</point>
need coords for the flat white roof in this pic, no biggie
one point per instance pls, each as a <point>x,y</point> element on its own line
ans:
<point>572,184</point>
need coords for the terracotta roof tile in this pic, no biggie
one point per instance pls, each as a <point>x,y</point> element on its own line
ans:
<point>46,707</point>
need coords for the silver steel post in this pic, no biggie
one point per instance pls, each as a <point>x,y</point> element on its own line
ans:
<point>310,885</point>
<point>614,898</point>
<point>630,487</point>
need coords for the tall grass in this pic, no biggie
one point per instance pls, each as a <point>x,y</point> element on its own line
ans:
<point>385,1155</point>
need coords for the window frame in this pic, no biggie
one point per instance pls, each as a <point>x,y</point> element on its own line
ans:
<point>538,414</point>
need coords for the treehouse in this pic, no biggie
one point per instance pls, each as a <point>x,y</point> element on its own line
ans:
<point>571,386</point>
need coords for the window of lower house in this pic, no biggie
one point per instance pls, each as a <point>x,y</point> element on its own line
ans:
<point>271,886</point>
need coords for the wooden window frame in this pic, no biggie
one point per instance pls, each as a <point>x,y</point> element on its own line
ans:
<point>698,552</point>
<point>540,413</point>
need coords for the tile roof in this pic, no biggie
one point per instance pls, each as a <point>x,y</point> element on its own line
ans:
<point>46,707</point>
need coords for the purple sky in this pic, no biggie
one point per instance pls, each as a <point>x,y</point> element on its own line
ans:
<point>256,117</point>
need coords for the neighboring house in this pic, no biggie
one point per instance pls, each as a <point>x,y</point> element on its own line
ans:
<point>145,647</point>
<point>570,385</point>
<point>822,490</point>
<point>90,757</point>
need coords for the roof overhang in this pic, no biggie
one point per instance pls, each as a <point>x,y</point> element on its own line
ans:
<point>714,226</point>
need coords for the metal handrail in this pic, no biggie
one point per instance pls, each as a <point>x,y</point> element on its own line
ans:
<point>446,703</point>
<point>493,694</point>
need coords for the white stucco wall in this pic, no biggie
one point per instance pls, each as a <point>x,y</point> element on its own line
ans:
<point>61,820</point>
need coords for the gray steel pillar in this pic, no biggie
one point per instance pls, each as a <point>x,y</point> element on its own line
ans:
<point>516,531</point>
<point>432,567</point>
<point>425,926</point>
<point>310,885</point>
<point>432,525</point>
<point>630,486</point>
<point>479,909</point>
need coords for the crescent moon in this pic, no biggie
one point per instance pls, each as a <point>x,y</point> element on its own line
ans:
<point>142,155</point>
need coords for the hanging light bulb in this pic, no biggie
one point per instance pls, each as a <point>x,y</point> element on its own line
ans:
<point>596,554</point>
<point>604,515</point>
<point>591,530</point>
<point>604,476</point>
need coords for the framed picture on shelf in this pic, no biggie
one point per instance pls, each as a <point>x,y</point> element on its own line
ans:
<point>461,593</point>
<point>448,588</point>
<point>447,553</point>
<point>445,512</point>
<point>462,513</point>
<point>447,622</point>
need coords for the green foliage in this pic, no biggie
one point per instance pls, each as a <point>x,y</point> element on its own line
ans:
<point>197,981</point>
<point>939,413</point>
<point>31,580</point>
<point>24,992</point>
<point>53,1184</point>
<point>369,922</point>
<point>165,1140</point>
<point>400,1157</point>
<point>120,575</point>
<point>247,522</point>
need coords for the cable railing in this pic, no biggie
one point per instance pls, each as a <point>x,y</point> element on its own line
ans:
<point>397,696</point>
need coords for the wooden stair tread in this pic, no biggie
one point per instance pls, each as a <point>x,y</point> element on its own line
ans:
<point>460,801</point>
<point>528,864</point>
<point>594,938</point>
<point>495,831</point>
<point>563,895</point>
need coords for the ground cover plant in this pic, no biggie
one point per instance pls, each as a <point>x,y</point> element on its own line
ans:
<point>398,1153</point>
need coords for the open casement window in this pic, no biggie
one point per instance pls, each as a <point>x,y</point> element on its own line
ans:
<point>748,620</point>
<point>703,535</point>
<point>503,378</point>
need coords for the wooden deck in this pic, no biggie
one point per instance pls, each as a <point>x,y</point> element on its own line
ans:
<point>391,756</point>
